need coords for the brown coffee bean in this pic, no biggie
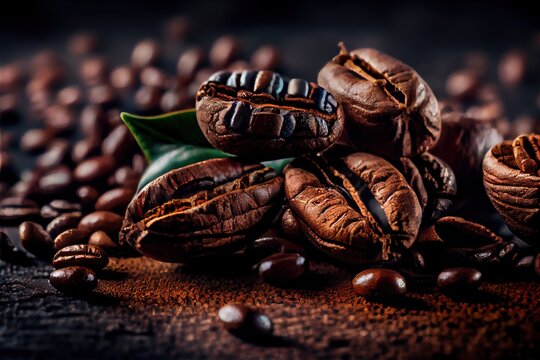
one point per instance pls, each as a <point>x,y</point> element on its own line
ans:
<point>153,77</point>
<point>245,322</point>
<point>125,177</point>
<point>94,71</point>
<point>463,84</point>
<point>94,169</point>
<point>265,58</point>
<point>93,121</point>
<point>379,283</point>
<point>59,119</point>
<point>17,209</point>
<point>148,98</point>
<point>71,237</point>
<point>88,196</point>
<point>36,240</point>
<point>63,222</point>
<point>290,225</point>
<point>73,280</point>
<point>102,220</point>
<point>145,53</point>
<point>458,232</point>
<point>10,77</point>
<point>35,140</point>
<point>85,148</point>
<point>8,108</point>
<point>189,62</point>
<point>123,77</point>
<point>83,43</point>
<point>173,100</point>
<point>224,50</point>
<point>119,144</point>
<point>64,206</point>
<point>57,181</point>
<point>10,253</point>
<point>56,154</point>
<point>512,68</point>
<point>104,241</point>
<point>70,96</point>
<point>115,200</point>
<point>89,256</point>
<point>268,245</point>
<point>459,280</point>
<point>138,163</point>
<point>282,268</point>
<point>103,95</point>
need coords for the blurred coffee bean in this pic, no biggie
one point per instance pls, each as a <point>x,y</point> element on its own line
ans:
<point>123,77</point>
<point>46,59</point>
<point>56,154</point>
<point>104,241</point>
<point>85,148</point>
<point>173,100</point>
<point>282,268</point>
<point>89,256</point>
<point>189,62</point>
<point>8,108</point>
<point>73,280</point>
<point>10,253</point>
<point>14,210</point>
<point>45,79</point>
<point>87,196</point>
<point>512,68</point>
<point>119,144</point>
<point>83,43</point>
<point>70,237</point>
<point>265,246</point>
<point>266,57</point>
<point>462,84</point>
<point>175,29</point>
<point>488,93</point>
<point>153,76</point>
<point>106,221</point>
<point>57,181</point>
<point>10,77</point>
<point>59,119</point>
<point>94,71</point>
<point>290,225</point>
<point>36,240</point>
<point>6,139</point>
<point>70,96</point>
<point>245,322</point>
<point>63,222</point>
<point>225,50</point>
<point>148,98</point>
<point>126,177</point>
<point>477,61</point>
<point>103,95</point>
<point>115,200</point>
<point>39,101</point>
<point>93,121</point>
<point>138,163</point>
<point>379,283</point>
<point>459,280</point>
<point>145,53</point>
<point>58,207</point>
<point>94,169</point>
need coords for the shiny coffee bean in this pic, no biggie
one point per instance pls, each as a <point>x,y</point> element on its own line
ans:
<point>89,256</point>
<point>459,280</point>
<point>123,77</point>
<point>36,240</point>
<point>125,177</point>
<point>94,71</point>
<point>282,268</point>
<point>153,77</point>
<point>93,122</point>
<point>265,58</point>
<point>59,119</point>
<point>463,84</point>
<point>145,53</point>
<point>35,140</point>
<point>87,196</point>
<point>103,241</point>
<point>119,143</point>
<point>189,62</point>
<point>147,98</point>
<point>56,154</point>
<point>103,95</point>
<point>379,283</point>
<point>58,207</point>
<point>70,96</point>
<point>244,321</point>
<point>70,237</point>
<point>95,169</point>
<point>6,140</point>
<point>84,149</point>
<point>265,246</point>
<point>102,220</point>
<point>224,50</point>
<point>57,181</point>
<point>290,225</point>
<point>73,280</point>
<point>63,222</point>
<point>10,253</point>
<point>115,200</point>
<point>14,210</point>
<point>83,43</point>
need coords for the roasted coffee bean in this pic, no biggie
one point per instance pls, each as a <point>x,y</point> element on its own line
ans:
<point>10,77</point>
<point>85,148</point>
<point>103,241</point>
<point>71,237</point>
<point>94,71</point>
<point>123,77</point>
<point>88,196</point>
<point>265,58</point>
<point>83,43</point>
<point>282,268</point>
<point>35,140</point>
<point>63,222</point>
<point>70,96</point>
<point>73,280</point>
<point>95,169</point>
<point>290,225</point>
<point>379,283</point>
<point>350,211</point>
<point>463,84</point>
<point>148,98</point>
<point>209,207</point>
<point>119,143</point>
<point>459,280</point>
<point>265,246</point>
<point>93,122</point>
<point>245,322</point>
<point>89,256</point>
<point>14,210</point>
<point>62,206</point>
<point>115,200</point>
<point>36,240</point>
<point>59,119</point>
<point>463,143</point>
<point>57,181</point>
<point>138,164</point>
<point>56,154</point>
<point>173,100</point>
<point>512,182</point>
<point>10,253</point>
<point>153,77</point>
<point>242,111</point>
<point>460,233</point>
<point>391,111</point>
<point>513,68</point>
<point>224,50</point>
<point>189,62</point>
<point>103,95</point>
<point>102,220</point>
<point>125,177</point>
<point>145,53</point>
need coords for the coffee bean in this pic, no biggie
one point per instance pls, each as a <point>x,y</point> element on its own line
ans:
<point>102,220</point>
<point>282,268</point>
<point>93,121</point>
<point>145,53</point>
<point>59,119</point>
<point>17,209</point>
<point>94,71</point>
<point>224,50</point>
<point>189,62</point>
<point>63,222</point>
<point>173,100</point>
<point>104,241</point>
<point>153,77</point>
<point>10,77</point>
<point>379,283</point>
<point>88,196</point>
<point>64,206</point>
<point>119,143</point>
<point>70,96</point>
<point>263,247</point>
<point>57,181</point>
<point>83,43</point>
<point>148,98</point>
<point>35,140</point>
<point>85,148</point>
<point>73,280</point>
<point>71,237</point>
<point>290,225</point>
<point>512,68</point>
<point>125,177</point>
<point>10,253</point>
<point>89,256</point>
<point>123,77</point>
<point>56,154</point>
<point>8,108</point>
<point>459,280</point>
<point>36,240</point>
<point>94,169</point>
<point>138,163</point>
<point>115,200</point>
<point>245,322</point>
<point>103,95</point>
<point>265,58</point>
<point>462,84</point>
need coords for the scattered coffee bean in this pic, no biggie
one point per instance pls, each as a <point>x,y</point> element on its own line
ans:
<point>83,43</point>
<point>85,148</point>
<point>224,50</point>
<point>189,62</point>
<point>459,280</point>
<point>88,196</point>
<point>94,71</point>
<point>95,169</point>
<point>148,98</point>
<point>103,95</point>
<point>35,140</point>
<point>263,247</point>
<point>57,207</point>
<point>59,119</point>
<point>104,241</point>
<point>74,280</point>
<point>70,237</point>
<point>512,68</point>
<point>89,256</point>
<point>10,253</point>
<point>17,209</point>
<point>115,200</point>
<point>119,143</point>
<point>70,96</point>
<point>102,220</point>
<point>463,84</point>
<point>57,181</point>
<point>10,77</point>
<point>242,321</point>
<point>282,268</point>
<point>153,77</point>
<point>93,122</point>
<point>379,283</point>
<point>56,154</point>
<point>145,53</point>
<point>123,77</point>
<point>36,240</point>
<point>265,58</point>
<point>63,222</point>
